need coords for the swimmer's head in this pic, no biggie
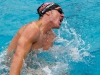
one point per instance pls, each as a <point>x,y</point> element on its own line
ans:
<point>45,7</point>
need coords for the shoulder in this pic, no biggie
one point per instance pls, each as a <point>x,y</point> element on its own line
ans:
<point>32,27</point>
<point>30,31</point>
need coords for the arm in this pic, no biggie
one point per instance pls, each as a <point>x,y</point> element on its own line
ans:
<point>22,50</point>
<point>23,47</point>
<point>14,41</point>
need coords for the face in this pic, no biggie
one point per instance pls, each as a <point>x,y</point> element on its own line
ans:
<point>57,16</point>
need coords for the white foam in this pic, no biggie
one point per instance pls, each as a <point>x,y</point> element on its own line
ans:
<point>47,70</point>
<point>75,54</point>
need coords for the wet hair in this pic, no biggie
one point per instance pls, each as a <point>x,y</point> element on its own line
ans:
<point>45,7</point>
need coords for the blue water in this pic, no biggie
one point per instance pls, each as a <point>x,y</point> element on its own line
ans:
<point>76,50</point>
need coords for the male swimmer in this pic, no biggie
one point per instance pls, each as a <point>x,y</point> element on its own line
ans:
<point>37,34</point>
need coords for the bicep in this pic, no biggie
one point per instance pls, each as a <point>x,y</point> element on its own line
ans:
<point>25,41</point>
<point>14,41</point>
<point>23,46</point>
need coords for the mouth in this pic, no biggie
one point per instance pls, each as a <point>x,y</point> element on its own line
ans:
<point>61,20</point>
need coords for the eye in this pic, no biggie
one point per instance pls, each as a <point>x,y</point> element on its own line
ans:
<point>60,11</point>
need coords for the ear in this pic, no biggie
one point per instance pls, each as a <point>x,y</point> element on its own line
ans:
<point>48,13</point>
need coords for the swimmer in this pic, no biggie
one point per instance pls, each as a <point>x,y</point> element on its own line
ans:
<point>35,35</point>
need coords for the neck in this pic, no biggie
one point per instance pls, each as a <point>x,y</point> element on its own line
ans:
<point>44,25</point>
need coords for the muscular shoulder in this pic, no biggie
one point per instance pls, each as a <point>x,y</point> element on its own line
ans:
<point>30,32</point>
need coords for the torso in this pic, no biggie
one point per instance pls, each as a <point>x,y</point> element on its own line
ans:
<point>44,41</point>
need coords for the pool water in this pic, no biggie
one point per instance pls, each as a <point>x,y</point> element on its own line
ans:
<point>76,50</point>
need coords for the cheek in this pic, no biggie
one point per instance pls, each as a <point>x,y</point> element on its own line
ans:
<point>56,18</point>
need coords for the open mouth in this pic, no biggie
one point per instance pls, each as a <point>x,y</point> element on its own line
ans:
<point>61,20</point>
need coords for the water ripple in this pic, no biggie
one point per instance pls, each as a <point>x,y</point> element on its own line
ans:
<point>2,1</point>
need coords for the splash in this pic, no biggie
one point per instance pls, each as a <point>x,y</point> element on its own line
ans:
<point>68,46</point>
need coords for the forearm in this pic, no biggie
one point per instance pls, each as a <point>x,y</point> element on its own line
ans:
<point>16,65</point>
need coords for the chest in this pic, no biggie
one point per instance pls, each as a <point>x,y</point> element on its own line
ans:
<point>44,41</point>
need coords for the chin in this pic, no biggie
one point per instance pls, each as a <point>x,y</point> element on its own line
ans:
<point>57,27</point>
